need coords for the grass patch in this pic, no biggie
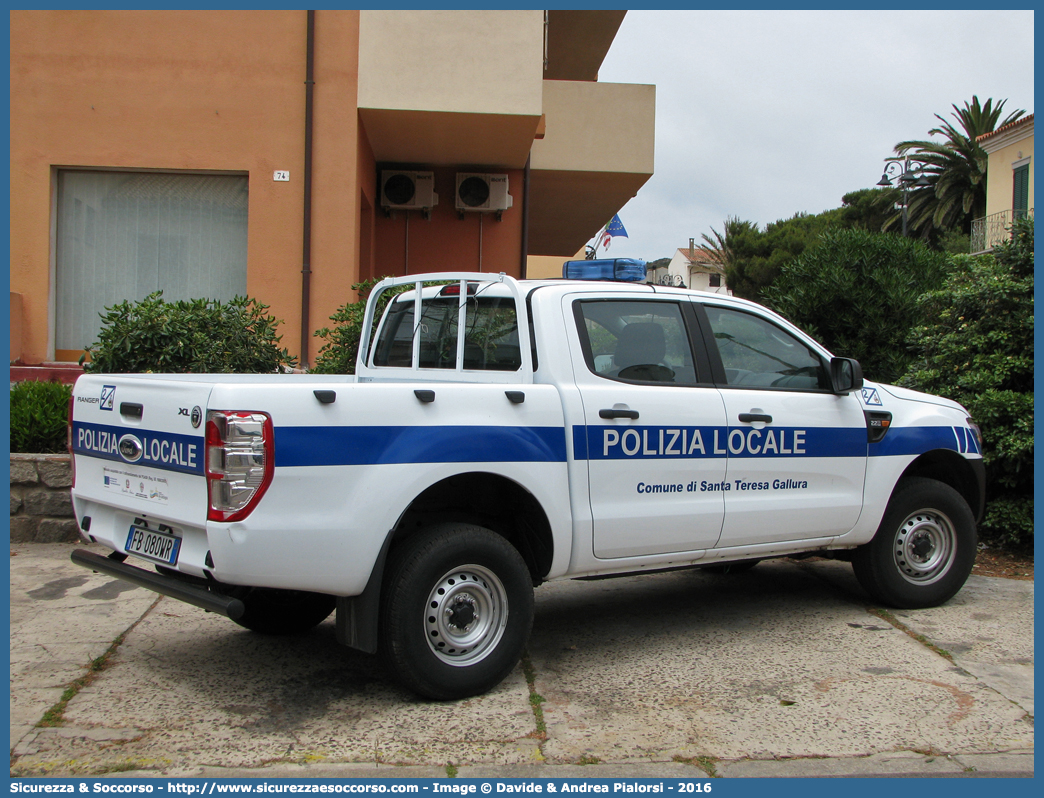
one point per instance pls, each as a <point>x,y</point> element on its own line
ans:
<point>705,763</point>
<point>588,759</point>
<point>55,716</point>
<point>885,615</point>
<point>535,699</point>
<point>76,767</point>
<point>451,771</point>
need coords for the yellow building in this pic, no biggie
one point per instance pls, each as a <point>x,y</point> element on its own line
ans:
<point>1009,182</point>
<point>290,154</point>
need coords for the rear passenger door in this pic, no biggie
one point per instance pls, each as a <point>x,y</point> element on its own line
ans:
<point>796,451</point>
<point>651,416</point>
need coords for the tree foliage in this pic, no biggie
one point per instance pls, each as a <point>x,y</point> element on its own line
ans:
<point>659,263</point>
<point>39,416</point>
<point>753,258</point>
<point>194,336</point>
<point>955,167</point>
<point>857,292</point>
<point>341,342</point>
<point>975,346</point>
<point>868,208</point>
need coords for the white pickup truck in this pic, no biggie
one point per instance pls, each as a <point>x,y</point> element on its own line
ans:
<point>500,433</point>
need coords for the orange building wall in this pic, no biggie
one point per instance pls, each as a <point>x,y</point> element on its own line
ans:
<point>446,242</point>
<point>194,91</point>
<point>366,169</point>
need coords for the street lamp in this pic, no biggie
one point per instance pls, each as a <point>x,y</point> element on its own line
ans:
<point>910,175</point>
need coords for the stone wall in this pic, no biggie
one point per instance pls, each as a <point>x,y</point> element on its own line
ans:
<point>41,509</point>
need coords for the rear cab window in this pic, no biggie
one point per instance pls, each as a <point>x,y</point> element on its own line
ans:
<point>491,340</point>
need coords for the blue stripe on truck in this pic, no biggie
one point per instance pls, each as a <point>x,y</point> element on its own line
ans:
<point>334,446</point>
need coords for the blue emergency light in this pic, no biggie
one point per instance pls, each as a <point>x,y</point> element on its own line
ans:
<point>630,270</point>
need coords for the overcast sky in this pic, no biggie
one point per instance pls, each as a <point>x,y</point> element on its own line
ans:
<point>764,114</point>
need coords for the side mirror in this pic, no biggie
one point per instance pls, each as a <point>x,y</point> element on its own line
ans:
<point>846,375</point>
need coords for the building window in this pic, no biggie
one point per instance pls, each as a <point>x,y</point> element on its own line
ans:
<point>1020,193</point>
<point>715,280</point>
<point>123,235</point>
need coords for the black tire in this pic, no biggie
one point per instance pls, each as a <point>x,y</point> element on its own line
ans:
<point>738,567</point>
<point>283,612</point>
<point>457,609</point>
<point>924,548</point>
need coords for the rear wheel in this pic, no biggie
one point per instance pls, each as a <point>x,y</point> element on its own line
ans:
<point>283,612</point>
<point>457,611</point>
<point>924,549</point>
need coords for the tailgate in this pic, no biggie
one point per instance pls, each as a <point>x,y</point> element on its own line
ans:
<point>138,441</point>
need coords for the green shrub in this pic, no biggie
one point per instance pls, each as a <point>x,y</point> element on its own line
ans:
<point>196,336</point>
<point>341,343</point>
<point>857,291</point>
<point>976,347</point>
<point>39,415</point>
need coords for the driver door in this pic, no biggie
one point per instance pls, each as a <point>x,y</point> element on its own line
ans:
<point>655,480</point>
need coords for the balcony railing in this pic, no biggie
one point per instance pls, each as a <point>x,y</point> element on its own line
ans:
<point>989,231</point>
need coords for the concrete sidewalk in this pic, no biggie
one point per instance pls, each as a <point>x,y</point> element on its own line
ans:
<point>783,671</point>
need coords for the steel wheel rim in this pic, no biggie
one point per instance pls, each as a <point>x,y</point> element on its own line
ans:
<point>466,615</point>
<point>925,546</point>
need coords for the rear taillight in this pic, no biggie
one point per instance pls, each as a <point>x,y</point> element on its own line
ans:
<point>240,462</point>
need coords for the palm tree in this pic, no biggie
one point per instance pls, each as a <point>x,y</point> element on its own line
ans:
<point>955,168</point>
<point>719,245</point>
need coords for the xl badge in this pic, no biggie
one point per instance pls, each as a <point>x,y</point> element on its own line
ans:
<point>197,417</point>
<point>131,449</point>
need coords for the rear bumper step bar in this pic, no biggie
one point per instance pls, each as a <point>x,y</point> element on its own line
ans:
<point>213,602</point>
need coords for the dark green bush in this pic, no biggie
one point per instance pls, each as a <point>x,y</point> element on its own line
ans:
<point>196,336</point>
<point>341,343</point>
<point>976,347</point>
<point>39,416</point>
<point>857,291</point>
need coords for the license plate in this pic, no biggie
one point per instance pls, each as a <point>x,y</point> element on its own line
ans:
<point>153,545</point>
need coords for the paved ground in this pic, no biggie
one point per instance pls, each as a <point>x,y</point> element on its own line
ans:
<point>782,671</point>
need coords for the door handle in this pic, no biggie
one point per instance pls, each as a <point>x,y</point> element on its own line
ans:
<point>747,418</point>
<point>614,413</point>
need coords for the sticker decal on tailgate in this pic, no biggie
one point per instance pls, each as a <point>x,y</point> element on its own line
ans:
<point>140,486</point>
<point>167,450</point>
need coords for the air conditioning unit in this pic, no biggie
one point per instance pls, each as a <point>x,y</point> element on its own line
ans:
<point>478,192</point>
<point>408,191</point>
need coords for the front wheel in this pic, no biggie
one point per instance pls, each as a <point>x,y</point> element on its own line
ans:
<point>924,548</point>
<point>457,611</point>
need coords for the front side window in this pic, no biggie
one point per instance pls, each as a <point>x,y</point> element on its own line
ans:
<point>758,354</point>
<point>490,335</point>
<point>636,341</point>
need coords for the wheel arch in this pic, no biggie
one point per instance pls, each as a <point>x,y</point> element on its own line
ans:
<point>965,476</point>
<point>490,500</point>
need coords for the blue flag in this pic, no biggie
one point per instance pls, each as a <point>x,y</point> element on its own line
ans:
<point>614,228</point>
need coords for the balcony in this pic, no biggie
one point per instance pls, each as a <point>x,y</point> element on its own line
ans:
<point>597,152</point>
<point>451,87</point>
<point>989,231</point>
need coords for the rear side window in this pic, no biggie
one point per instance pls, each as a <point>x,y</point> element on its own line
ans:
<point>758,354</point>
<point>490,335</point>
<point>636,341</point>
